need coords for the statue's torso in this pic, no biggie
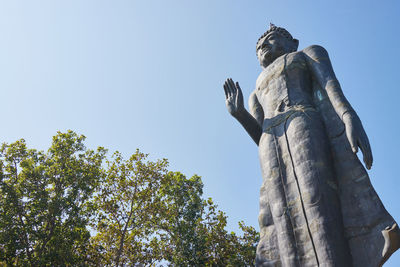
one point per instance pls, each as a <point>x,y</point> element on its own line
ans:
<point>285,82</point>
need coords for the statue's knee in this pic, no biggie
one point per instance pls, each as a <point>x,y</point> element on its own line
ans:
<point>278,209</point>
<point>261,262</point>
<point>266,255</point>
<point>265,218</point>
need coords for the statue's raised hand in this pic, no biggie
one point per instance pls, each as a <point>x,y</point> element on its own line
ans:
<point>357,137</point>
<point>233,97</point>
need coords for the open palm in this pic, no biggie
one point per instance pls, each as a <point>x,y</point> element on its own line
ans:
<point>233,97</point>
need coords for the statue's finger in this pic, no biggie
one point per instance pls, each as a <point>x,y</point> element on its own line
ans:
<point>238,86</point>
<point>368,162</point>
<point>366,145</point>
<point>232,85</point>
<point>371,157</point>
<point>239,97</point>
<point>228,87</point>
<point>364,152</point>
<point>368,153</point>
<point>352,141</point>
<point>367,159</point>
<point>226,91</point>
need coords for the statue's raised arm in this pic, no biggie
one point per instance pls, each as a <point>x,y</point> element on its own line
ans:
<point>321,68</point>
<point>235,106</point>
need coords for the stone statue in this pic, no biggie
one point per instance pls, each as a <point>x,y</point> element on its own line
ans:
<point>317,205</point>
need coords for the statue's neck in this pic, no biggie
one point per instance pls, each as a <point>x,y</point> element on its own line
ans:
<point>264,65</point>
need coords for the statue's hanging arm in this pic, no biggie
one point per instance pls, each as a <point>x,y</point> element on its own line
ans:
<point>321,68</point>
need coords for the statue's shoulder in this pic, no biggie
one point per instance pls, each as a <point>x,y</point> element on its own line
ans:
<point>253,97</point>
<point>260,79</point>
<point>315,51</point>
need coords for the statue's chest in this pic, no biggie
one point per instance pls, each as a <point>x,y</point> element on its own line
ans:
<point>285,70</point>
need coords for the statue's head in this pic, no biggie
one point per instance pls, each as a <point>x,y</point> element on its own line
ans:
<point>274,43</point>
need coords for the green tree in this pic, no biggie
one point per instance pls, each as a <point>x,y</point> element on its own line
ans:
<point>192,231</point>
<point>71,207</point>
<point>43,201</point>
<point>147,215</point>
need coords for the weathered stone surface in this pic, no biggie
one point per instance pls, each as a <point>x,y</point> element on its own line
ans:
<point>317,205</point>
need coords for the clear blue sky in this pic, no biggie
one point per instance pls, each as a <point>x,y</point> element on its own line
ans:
<point>149,75</point>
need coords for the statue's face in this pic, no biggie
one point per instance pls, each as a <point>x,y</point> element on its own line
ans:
<point>272,46</point>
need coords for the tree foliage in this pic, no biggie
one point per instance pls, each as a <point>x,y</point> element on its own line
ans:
<point>125,205</point>
<point>71,206</point>
<point>43,201</point>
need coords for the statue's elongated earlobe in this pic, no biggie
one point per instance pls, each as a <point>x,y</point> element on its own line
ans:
<point>296,44</point>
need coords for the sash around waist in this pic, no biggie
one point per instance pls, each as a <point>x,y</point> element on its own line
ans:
<point>278,119</point>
